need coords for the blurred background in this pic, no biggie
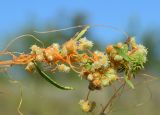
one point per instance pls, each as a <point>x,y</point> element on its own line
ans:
<point>139,18</point>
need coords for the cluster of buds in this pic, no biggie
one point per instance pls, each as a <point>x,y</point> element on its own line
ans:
<point>61,56</point>
<point>99,68</point>
<point>38,52</point>
<point>131,56</point>
<point>87,106</point>
<point>98,71</point>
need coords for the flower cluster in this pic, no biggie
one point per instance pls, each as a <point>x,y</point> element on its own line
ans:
<point>87,106</point>
<point>99,68</point>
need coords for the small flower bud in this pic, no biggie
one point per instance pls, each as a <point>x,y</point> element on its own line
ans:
<point>112,77</point>
<point>37,50</point>
<point>96,83</point>
<point>34,47</point>
<point>90,77</point>
<point>105,82</point>
<point>56,46</point>
<point>87,106</point>
<point>119,45</point>
<point>39,57</point>
<point>118,58</point>
<point>63,68</point>
<point>50,58</point>
<point>30,67</point>
<point>109,48</point>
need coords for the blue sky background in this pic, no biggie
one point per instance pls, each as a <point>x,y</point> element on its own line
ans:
<point>15,14</point>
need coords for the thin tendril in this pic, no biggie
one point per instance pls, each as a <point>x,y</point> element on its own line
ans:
<point>20,37</point>
<point>80,26</point>
<point>21,95</point>
<point>57,30</point>
<point>111,99</point>
<point>88,95</point>
<point>149,91</point>
<point>139,104</point>
<point>20,103</point>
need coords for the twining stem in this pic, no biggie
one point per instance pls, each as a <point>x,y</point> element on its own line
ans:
<point>111,99</point>
<point>88,95</point>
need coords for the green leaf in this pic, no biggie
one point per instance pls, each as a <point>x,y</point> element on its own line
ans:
<point>80,34</point>
<point>88,66</point>
<point>129,82</point>
<point>47,78</point>
<point>122,53</point>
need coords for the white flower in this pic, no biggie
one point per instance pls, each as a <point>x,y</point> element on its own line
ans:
<point>85,44</point>
<point>37,50</point>
<point>63,68</point>
<point>103,61</point>
<point>34,47</point>
<point>56,46</point>
<point>142,49</point>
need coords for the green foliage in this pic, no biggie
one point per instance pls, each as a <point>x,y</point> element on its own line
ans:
<point>81,33</point>
<point>129,82</point>
<point>123,52</point>
<point>47,78</point>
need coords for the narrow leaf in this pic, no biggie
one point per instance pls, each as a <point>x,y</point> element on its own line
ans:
<point>129,82</point>
<point>122,53</point>
<point>47,78</point>
<point>80,34</point>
